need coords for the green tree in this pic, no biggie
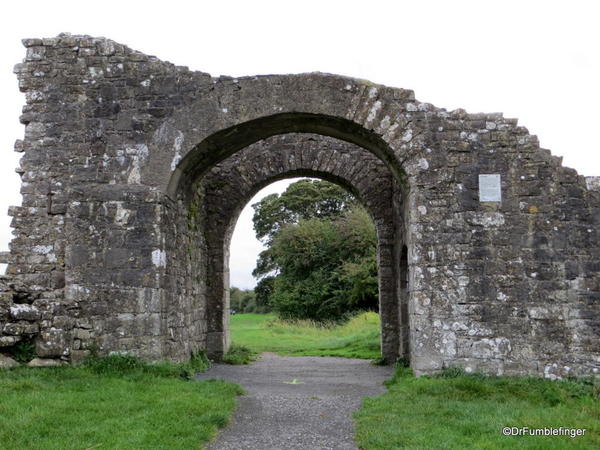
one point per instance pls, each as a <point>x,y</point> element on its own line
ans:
<point>235,299</point>
<point>263,291</point>
<point>304,199</point>
<point>327,268</point>
<point>242,300</point>
<point>320,260</point>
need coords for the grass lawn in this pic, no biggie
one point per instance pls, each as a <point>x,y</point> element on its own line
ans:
<point>358,338</point>
<point>458,411</point>
<point>120,403</point>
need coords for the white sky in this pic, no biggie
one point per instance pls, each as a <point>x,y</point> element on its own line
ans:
<point>535,60</point>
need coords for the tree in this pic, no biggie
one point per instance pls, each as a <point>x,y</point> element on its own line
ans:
<point>327,268</point>
<point>321,258</point>
<point>302,200</point>
<point>235,299</point>
<point>262,293</point>
<point>242,300</point>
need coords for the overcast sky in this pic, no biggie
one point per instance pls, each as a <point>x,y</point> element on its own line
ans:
<point>538,61</point>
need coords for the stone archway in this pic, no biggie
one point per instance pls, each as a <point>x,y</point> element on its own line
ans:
<point>213,196</point>
<point>502,241</point>
<point>229,186</point>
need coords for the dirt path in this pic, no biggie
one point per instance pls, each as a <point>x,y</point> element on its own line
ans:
<point>297,402</point>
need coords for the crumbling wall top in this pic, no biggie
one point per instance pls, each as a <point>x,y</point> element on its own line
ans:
<point>593,183</point>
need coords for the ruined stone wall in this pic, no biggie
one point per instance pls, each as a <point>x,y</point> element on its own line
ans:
<point>495,271</point>
<point>105,252</point>
<point>87,244</point>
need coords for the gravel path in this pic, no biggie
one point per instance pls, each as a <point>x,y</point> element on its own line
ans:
<point>313,413</point>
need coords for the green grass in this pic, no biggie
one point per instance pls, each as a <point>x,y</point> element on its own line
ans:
<point>458,411</point>
<point>238,355</point>
<point>357,338</point>
<point>117,402</point>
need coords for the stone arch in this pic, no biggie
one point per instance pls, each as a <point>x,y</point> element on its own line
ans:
<point>213,150</point>
<point>228,186</point>
<point>226,142</point>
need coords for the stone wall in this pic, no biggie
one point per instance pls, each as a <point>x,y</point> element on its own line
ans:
<point>118,244</point>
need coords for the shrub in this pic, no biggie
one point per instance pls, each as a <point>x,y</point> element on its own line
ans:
<point>23,351</point>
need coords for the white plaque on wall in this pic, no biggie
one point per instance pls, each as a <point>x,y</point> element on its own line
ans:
<point>490,188</point>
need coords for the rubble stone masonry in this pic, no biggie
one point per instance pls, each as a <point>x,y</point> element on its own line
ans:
<point>134,172</point>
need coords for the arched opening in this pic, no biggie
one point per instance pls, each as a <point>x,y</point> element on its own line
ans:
<point>317,260</point>
<point>382,221</point>
<point>216,180</point>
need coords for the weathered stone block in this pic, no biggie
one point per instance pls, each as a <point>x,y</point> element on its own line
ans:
<point>78,356</point>
<point>20,328</point>
<point>21,311</point>
<point>7,362</point>
<point>52,343</point>
<point>7,341</point>
<point>44,362</point>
